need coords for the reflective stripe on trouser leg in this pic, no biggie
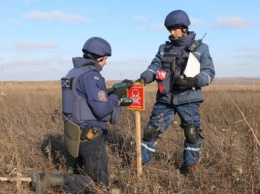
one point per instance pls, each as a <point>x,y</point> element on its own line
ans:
<point>161,117</point>
<point>148,150</point>
<point>191,152</point>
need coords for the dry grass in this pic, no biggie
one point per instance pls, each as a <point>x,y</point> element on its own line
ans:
<point>31,140</point>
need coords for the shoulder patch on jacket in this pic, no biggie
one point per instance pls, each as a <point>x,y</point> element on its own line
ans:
<point>96,78</point>
<point>102,96</point>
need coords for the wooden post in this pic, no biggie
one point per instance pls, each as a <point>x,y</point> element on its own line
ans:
<point>138,143</point>
<point>12,179</point>
<point>136,93</point>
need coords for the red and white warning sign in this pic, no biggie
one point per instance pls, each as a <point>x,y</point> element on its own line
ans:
<point>136,93</point>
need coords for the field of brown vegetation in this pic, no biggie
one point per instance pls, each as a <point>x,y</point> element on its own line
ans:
<point>31,140</point>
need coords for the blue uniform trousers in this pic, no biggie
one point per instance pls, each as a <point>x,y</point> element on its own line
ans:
<point>95,166</point>
<point>162,116</point>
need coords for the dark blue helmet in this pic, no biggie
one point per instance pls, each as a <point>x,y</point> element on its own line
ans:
<point>97,46</point>
<point>178,19</point>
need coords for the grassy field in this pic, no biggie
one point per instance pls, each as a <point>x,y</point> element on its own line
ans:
<point>31,140</point>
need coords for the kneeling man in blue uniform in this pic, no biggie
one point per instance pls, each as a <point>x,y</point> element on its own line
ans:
<point>86,106</point>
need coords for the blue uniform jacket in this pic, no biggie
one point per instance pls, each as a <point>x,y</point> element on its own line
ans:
<point>91,86</point>
<point>205,77</point>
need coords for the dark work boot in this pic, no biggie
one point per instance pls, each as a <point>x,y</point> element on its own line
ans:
<point>190,173</point>
<point>41,181</point>
<point>188,169</point>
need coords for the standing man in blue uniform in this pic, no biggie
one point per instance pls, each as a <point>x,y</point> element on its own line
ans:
<point>176,92</point>
<point>88,104</point>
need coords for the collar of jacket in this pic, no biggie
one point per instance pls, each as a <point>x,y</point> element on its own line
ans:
<point>80,62</point>
<point>183,41</point>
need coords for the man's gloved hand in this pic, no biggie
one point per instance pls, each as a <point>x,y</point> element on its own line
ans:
<point>186,83</point>
<point>125,101</point>
<point>128,82</point>
<point>120,91</point>
<point>141,80</point>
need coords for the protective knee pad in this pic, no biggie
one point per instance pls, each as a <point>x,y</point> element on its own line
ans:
<point>192,134</point>
<point>151,133</point>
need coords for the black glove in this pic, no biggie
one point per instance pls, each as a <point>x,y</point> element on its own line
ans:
<point>125,101</point>
<point>186,83</point>
<point>128,82</point>
<point>141,80</point>
<point>120,92</point>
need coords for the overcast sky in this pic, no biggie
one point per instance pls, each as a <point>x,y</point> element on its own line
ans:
<point>39,37</point>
